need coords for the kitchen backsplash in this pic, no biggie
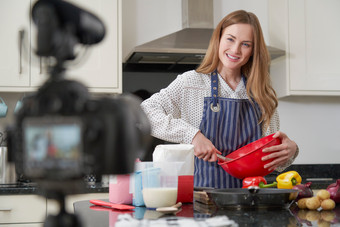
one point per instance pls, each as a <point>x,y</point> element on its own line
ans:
<point>321,175</point>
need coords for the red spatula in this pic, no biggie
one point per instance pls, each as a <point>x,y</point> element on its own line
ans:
<point>112,205</point>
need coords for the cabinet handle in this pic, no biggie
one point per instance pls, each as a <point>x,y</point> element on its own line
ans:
<point>40,65</point>
<point>5,209</point>
<point>21,40</point>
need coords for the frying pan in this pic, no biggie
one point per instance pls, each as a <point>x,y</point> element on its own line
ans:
<point>252,197</point>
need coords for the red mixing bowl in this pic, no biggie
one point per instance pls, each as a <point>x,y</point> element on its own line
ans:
<point>247,160</point>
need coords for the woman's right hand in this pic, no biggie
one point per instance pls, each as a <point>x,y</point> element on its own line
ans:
<point>204,149</point>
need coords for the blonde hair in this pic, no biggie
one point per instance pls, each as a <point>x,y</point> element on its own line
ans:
<point>256,70</point>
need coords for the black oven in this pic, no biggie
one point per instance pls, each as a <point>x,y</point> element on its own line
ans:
<point>146,80</point>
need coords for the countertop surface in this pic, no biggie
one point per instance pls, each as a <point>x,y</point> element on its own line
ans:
<point>321,175</point>
<point>200,214</point>
<point>33,188</point>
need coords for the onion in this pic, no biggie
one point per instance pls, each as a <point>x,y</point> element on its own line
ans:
<point>334,190</point>
<point>304,190</point>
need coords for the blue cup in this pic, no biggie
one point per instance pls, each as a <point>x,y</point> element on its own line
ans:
<point>3,108</point>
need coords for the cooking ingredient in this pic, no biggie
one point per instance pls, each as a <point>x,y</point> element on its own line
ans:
<point>334,190</point>
<point>323,194</point>
<point>320,200</point>
<point>302,203</point>
<point>328,204</point>
<point>313,203</point>
<point>159,197</point>
<point>256,181</point>
<point>288,180</point>
<point>304,190</point>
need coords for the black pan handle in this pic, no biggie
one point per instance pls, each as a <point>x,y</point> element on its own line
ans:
<point>253,189</point>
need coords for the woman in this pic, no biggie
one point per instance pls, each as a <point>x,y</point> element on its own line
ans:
<point>225,104</point>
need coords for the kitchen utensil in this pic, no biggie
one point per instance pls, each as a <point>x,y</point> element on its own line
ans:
<point>252,198</point>
<point>169,210</point>
<point>223,158</point>
<point>247,160</point>
<point>101,208</point>
<point>112,205</point>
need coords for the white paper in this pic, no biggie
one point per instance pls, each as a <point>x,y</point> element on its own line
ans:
<point>176,153</point>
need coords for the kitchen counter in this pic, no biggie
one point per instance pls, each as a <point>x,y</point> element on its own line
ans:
<point>32,188</point>
<point>321,175</point>
<point>99,216</point>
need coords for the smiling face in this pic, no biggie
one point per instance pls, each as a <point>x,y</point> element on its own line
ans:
<point>236,47</point>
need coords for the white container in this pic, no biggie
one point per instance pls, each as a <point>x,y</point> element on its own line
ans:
<point>160,184</point>
<point>179,153</point>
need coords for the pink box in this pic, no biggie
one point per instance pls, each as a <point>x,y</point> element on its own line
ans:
<point>119,189</point>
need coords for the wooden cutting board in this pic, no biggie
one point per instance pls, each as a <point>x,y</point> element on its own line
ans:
<point>202,197</point>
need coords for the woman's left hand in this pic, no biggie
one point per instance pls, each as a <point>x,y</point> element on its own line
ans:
<point>281,153</point>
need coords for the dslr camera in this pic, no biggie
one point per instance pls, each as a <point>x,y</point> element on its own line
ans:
<point>62,133</point>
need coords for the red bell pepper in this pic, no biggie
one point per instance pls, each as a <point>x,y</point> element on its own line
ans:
<point>256,181</point>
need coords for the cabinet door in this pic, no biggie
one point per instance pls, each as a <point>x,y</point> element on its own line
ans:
<point>22,209</point>
<point>100,70</point>
<point>14,45</point>
<point>314,46</point>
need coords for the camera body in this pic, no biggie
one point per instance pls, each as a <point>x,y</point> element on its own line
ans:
<point>62,134</point>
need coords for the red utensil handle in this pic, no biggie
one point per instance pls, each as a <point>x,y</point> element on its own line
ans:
<point>112,205</point>
<point>100,203</point>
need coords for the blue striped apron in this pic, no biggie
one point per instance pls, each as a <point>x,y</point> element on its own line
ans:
<point>229,124</point>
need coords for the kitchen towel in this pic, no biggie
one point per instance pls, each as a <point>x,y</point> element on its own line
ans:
<point>217,221</point>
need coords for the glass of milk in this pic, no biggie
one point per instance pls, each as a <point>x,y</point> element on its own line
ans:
<point>160,183</point>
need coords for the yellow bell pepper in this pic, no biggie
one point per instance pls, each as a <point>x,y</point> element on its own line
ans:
<point>288,180</point>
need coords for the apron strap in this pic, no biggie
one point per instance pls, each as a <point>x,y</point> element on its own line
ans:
<point>214,106</point>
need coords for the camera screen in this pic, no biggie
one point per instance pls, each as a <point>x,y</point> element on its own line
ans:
<point>52,147</point>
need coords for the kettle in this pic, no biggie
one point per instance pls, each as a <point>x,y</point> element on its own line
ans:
<point>7,169</point>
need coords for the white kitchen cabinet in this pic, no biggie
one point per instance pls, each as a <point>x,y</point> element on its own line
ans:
<point>14,64</point>
<point>22,209</point>
<point>32,210</point>
<point>309,32</point>
<point>24,225</point>
<point>100,70</point>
